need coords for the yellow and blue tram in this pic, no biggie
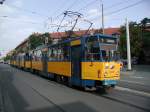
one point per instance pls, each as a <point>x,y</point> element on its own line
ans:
<point>88,61</point>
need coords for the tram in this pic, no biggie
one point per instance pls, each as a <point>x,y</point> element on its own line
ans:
<point>89,61</point>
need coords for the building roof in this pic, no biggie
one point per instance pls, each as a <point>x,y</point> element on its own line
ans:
<point>59,35</point>
<point>108,31</point>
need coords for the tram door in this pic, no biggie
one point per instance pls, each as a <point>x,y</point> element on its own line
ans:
<point>75,60</point>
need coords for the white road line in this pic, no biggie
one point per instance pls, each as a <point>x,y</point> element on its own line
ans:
<point>137,77</point>
<point>132,82</point>
<point>132,91</point>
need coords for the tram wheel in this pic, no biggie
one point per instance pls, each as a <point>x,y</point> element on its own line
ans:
<point>58,79</point>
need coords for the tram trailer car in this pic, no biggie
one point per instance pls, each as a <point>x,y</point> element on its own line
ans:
<point>89,61</point>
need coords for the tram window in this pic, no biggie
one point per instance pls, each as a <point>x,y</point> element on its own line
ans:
<point>22,57</point>
<point>60,53</point>
<point>116,55</point>
<point>50,54</point>
<point>37,55</point>
<point>92,51</point>
<point>27,57</point>
<point>109,55</point>
<point>66,53</point>
<point>55,53</point>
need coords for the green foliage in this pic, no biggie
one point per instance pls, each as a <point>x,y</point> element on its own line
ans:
<point>139,39</point>
<point>146,40</point>
<point>122,43</point>
<point>7,58</point>
<point>36,40</point>
<point>135,40</point>
<point>144,22</point>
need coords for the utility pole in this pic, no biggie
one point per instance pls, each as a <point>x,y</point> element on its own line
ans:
<point>102,18</point>
<point>128,45</point>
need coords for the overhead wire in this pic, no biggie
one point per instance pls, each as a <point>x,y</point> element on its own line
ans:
<point>57,10</point>
<point>70,6</point>
<point>116,4</point>
<point>28,11</point>
<point>88,4</point>
<point>82,7</point>
<point>15,19</point>
<point>129,6</point>
<point>118,10</point>
<point>30,22</point>
<point>113,5</point>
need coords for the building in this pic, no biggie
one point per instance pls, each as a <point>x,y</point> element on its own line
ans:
<point>56,36</point>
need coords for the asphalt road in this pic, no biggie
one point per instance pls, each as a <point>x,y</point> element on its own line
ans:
<point>137,79</point>
<point>22,91</point>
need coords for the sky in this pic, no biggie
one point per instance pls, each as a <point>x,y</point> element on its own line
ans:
<point>20,18</point>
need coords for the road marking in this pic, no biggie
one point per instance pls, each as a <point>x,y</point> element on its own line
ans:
<point>133,91</point>
<point>137,77</point>
<point>132,82</point>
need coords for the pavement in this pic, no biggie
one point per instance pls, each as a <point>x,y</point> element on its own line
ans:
<point>22,91</point>
<point>138,78</point>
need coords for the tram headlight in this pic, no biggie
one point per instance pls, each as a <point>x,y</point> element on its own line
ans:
<point>107,66</point>
<point>111,66</point>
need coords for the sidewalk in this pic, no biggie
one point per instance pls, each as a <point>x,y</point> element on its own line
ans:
<point>139,75</point>
<point>137,70</point>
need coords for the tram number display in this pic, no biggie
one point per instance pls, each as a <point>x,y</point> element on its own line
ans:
<point>108,47</point>
<point>109,41</point>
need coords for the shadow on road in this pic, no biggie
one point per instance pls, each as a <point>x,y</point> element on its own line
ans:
<point>14,101</point>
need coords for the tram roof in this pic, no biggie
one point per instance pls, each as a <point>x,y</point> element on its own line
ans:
<point>67,40</point>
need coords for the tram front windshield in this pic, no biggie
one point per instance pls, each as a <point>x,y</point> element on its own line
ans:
<point>101,49</point>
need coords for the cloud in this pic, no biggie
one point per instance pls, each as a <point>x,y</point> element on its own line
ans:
<point>16,28</point>
<point>18,3</point>
<point>93,11</point>
<point>9,9</point>
<point>5,9</point>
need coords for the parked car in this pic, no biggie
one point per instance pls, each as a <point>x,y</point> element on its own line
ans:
<point>1,61</point>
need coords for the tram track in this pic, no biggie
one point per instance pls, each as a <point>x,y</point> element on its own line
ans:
<point>116,98</point>
<point>44,97</point>
<point>126,103</point>
<point>106,96</point>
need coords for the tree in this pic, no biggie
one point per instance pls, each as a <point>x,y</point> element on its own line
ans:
<point>135,40</point>
<point>7,57</point>
<point>144,23</point>
<point>37,39</point>
<point>139,39</point>
<point>34,41</point>
<point>47,35</point>
<point>145,53</point>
